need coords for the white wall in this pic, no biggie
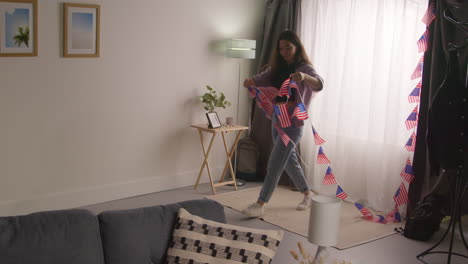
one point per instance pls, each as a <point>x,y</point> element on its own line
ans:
<point>77,131</point>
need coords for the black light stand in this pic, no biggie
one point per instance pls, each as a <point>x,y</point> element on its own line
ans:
<point>458,188</point>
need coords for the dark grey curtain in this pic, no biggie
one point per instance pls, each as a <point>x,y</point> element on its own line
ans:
<point>279,16</point>
<point>442,127</point>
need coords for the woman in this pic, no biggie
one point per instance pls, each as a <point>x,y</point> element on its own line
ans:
<point>289,61</point>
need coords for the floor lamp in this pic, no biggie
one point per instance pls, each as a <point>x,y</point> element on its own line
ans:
<point>241,49</point>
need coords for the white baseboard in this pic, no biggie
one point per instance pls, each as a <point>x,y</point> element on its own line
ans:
<point>99,194</point>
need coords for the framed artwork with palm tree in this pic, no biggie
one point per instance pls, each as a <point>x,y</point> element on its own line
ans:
<point>81,30</point>
<point>18,28</point>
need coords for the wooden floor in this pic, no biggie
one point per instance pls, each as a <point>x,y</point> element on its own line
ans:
<point>394,249</point>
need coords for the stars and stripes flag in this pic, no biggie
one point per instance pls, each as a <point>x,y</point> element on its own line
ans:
<point>401,195</point>
<point>284,89</point>
<point>252,92</point>
<point>284,137</point>
<point>430,14</point>
<point>364,211</point>
<point>423,42</point>
<point>414,96</point>
<point>292,84</point>
<point>282,113</point>
<point>300,112</point>
<point>411,143</point>
<point>393,216</point>
<point>340,193</point>
<point>418,70</point>
<point>321,157</point>
<point>412,120</point>
<point>329,178</point>
<point>269,92</point>
<point>264,103</point>
<point>408,172</point>
<point>378,219</point>
<point>318,140</point>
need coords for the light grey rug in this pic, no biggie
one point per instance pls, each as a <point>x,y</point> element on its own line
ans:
<point>281,211</point>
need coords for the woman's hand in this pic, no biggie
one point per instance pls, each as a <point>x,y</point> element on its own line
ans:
<point>298,76</point>
<point>249,82</point>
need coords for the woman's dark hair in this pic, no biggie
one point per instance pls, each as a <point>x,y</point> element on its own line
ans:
<point>277,63</point>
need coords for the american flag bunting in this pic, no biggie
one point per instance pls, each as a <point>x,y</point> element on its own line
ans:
<point>414,96</point>
<point>318,140</point>
<point>423,42</point>
<point>430,14</point>
<point>418,70</point>
<point>284,137</point>
<point>321,157</point>
<point>412,120</point>
<point>340,193</point>
<point>411,143</point>
<point>408,172</point>
<point>401,195</point>
<point>393,216</point>
<point>284,89</point>
<point>379,219</point>
<point>282,113</point>
<point>300,112</point>
<point>364,211</point>
<point>329,178</point>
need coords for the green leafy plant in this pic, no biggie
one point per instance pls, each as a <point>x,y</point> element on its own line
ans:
<point>212,99</point>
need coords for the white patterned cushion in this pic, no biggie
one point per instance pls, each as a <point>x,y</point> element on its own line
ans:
<point>196,240</point>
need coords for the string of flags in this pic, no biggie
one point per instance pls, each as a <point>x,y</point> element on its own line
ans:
<point>265,96</point>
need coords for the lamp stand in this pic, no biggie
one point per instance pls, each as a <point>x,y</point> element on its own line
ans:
<point>239,182</point>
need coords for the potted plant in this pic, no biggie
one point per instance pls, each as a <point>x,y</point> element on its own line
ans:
<point>212,99</point>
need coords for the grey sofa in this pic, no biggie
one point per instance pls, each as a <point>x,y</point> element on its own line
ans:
<point>77,236</point>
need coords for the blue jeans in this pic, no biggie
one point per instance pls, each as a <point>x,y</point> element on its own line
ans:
<point>283,158</point>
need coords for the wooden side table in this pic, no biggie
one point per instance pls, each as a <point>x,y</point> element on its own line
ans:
<point>206,152</point>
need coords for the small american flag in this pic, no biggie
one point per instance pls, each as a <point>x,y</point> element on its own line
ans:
<point>379,219</point>
<point>329,178</point>
<point>300,112</point>
<point>252,91</point>
<point>411,143</point>
<point>364,211</point>
<point>401,195</point>
<point>393,216</point>
<point>430,14</point>
<point>412,120</point>
<point>293,84</point>
<point>284,137</point>
<point>340,193</point>
<point>282,113</point>
<point>408,172</point>
<point>270,92</point>
<point>318,140</point>
<point>321,157</point>
<point>423,42</point>
<point>264,103</point>
<point>284,89</point>
<point>418,70</point>
<point>414,96</point>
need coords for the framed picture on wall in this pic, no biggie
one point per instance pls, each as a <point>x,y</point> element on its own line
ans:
<point>81,30</point>
<point>213,120</point>
<point>18,28</point>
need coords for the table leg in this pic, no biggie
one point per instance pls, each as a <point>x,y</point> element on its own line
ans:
<point>229,154</point>
<point>205,161</point>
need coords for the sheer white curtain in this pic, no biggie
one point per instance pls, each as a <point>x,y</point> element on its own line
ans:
<point>366,52</point>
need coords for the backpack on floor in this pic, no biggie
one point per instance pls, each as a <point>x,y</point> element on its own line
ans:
<point>246,161</point>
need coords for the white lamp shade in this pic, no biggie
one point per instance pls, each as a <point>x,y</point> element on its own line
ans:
<point>241,48</point>
<point>324,221</point>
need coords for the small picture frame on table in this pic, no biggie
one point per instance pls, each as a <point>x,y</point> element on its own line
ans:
<point>213,120</point>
